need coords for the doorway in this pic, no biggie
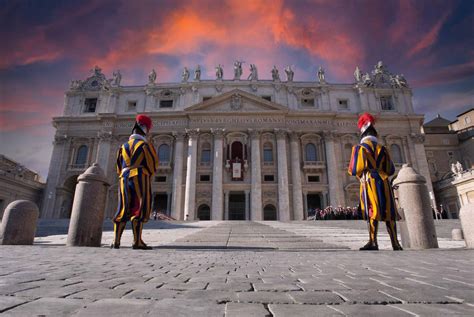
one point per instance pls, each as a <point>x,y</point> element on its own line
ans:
<point>313,202</point>
<point>237,206</point>
<point>160,203</point>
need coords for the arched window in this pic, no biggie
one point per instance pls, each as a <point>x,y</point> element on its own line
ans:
<point>204,212</point>
<point>163,153</point>
<point>311,155</point>
<point>206,153</point>
<point>268,153</point>
<point>81,157</point>
<point>396,153</point>
<point>269,213</point>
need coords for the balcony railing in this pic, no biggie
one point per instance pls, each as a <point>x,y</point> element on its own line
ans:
<point>77,166</point>
<point>314,165</point>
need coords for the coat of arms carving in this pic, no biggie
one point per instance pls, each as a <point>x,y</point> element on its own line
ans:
<point>236,102</point>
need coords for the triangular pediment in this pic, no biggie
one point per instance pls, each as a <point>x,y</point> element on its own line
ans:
<point>236,101</point>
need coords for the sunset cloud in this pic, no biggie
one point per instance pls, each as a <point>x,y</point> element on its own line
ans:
<point>46,44</point>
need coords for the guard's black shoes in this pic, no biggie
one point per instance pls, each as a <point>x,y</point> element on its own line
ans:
<point>115,246</point>
<point>141,247</point>
<point>397,248</point>
<point>370,246</point>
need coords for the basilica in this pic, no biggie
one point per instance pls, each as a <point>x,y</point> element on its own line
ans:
<point>234,148</point>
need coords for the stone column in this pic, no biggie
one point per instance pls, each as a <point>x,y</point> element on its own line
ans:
<point>422,162</point>
<point>298,210</point>
<point>168,203</point>
<point>256,181</point>
<point>305,204</point>
<point>226,210</point>
<point>466,214</point>
<point>283,192</point>
<point>190,189</point>
<point>57,165</point>
<point>217,190</point>
<point>247,205</point>
<point>19,223</point>
<point>335,187</point>
<point>85,227</point>
<point>414,200</point>
<point>176,203</point>
<point>103,150</point>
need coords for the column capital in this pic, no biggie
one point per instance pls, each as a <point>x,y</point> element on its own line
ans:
<point>329,135</point>
<point>179,136</point>
<point>295,136</point>
<point>60,139</point>
<point>105,135</point>
<point>281,133</point>
<point>192,133</point>
<point>218,133</point>
<point>254,133</point>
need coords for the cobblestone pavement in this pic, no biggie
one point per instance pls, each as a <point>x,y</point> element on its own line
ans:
<point>234,269</point>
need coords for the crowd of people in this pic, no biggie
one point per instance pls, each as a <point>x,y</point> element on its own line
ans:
<point>335,213</point>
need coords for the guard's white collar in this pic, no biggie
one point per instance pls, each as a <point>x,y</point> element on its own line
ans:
<point>369,138</point>
<point>138,137</point>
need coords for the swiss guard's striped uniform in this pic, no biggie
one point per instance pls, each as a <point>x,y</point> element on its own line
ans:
<point>372,165</point>
<point>136,163</point>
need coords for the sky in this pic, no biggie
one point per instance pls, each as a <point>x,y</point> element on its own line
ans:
<point>47,43</point>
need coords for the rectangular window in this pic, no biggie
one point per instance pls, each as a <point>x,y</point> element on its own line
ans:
<point>90,104</point>
<point>343,104</point>
<point>269,98</point>
<point>166,103</point>
<point>132,106</point>
<point>268,178</point>
<point>313,178</point>
<point>205,178</point>
<point>386,103</point>
<point>160,179</point>
<point>307,102</point>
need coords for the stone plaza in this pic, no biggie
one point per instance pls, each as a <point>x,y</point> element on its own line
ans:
<point>216,268</point>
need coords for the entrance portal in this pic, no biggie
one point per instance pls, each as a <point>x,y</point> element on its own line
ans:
<point>237,206</point>
<point>313,202</point>
<point>160,203</point>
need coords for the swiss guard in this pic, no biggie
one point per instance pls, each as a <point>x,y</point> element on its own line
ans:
<point>371,164</point>
<point>136,163</point>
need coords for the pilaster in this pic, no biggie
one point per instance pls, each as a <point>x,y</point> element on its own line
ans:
<point>190,189</point>
<point>283,192</point>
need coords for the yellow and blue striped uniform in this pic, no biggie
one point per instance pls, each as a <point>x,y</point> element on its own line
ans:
<point>371,163</point>
<point>136,163</point>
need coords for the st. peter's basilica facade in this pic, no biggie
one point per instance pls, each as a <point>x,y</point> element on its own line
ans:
<point>234,149</point>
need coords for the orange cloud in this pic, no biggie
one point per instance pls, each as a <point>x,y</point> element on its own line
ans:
<point>428,39</point>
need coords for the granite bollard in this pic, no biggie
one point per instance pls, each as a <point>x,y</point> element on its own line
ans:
<point>19,223</point>
<point>457,235</point>
<point>88,208</point>
<point>413,197</point>
<point>467,223</point>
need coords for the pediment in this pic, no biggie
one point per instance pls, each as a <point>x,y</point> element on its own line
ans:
<point>236,101</point>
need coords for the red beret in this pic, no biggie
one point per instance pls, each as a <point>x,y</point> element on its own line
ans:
<point>365,121</point>
<point>144,120</point>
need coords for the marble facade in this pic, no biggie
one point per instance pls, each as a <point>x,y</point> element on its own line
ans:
<point>233,149</point>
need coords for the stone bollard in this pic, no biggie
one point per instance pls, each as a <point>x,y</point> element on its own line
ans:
<point>456,235</point>
<point>467,223</point>
<point>88,208</point>
<point>19,223</point>
<point>413,197</point>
